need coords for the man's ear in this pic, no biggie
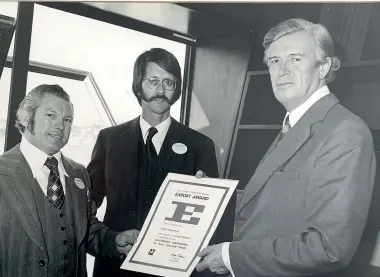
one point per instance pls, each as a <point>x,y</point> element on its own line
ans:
<point>324,68</point>
<point>24,117</point>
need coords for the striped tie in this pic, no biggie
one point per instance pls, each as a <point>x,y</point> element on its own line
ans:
<point>55,189</point>
<point>285,128</point>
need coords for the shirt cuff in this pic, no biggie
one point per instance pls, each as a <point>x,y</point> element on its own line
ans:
<point>226,257</point>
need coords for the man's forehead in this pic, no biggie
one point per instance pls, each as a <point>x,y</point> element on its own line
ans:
<point>55,103</point>
<point>154,70</point>
<point>299,43</point>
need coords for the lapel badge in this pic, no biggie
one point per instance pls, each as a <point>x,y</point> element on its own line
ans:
<point>179,148</point>
<point>79,183</point>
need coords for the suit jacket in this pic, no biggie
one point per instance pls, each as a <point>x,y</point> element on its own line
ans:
<point>304,210</point>
<point>23,249</point>
<point>114,168</point>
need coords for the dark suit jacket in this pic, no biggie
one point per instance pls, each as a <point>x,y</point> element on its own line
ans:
<point>304,210</point>
<point>114,167</point>
<point>22,244</point>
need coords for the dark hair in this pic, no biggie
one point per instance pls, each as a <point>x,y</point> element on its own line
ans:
<point>323,40</point>
<point>163,59</point>
<point>32,100</point>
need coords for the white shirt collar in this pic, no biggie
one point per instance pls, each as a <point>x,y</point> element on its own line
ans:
<point>298,112</point>
<point>36,158</point>
<point>162,130</point>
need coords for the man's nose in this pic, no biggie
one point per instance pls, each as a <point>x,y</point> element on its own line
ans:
<point>160,89</point>
<point>59,124</point>
<point>284,69</point>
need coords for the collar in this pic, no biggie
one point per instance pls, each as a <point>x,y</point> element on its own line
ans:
<point>36,158</point>
<point>162,128</point>
<point>298,112</point>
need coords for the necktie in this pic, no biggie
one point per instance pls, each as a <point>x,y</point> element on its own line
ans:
<point>285,128</point>
<point>151,151</point>
<point>55,189</point>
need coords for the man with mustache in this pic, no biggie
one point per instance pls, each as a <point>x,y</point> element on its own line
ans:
<point>131,160</point>
<point>47,214</point>
<point>304,210</point>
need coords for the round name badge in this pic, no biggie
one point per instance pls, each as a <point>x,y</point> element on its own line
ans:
<point>179,148</point>
<point>79,183</point>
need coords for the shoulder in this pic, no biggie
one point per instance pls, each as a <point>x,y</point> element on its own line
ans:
<point>10,160</point>
<point>191,135</point>
<point>346,121</point>
<point>120,128</point>
<point>344,129</point>
<point>75,165</point>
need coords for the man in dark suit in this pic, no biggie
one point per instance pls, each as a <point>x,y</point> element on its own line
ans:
<point>47,214</point>
<point>304,210</point>
<point>131,160</point>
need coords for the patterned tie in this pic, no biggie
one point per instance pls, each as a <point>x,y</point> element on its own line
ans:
<point>285,128</point>
<point>151,151</point>
<point>55,189</point>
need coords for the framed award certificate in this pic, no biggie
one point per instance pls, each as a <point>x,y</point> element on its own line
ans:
<point>180,223</point>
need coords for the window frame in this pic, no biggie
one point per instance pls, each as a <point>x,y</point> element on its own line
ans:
<point>20,62</point>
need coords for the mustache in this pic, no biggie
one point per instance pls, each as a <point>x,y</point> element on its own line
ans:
<point>158,98</point>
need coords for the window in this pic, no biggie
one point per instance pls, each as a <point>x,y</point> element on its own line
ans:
<point>108,52</point>
<point>5,82</point>
<point>8,9</point>
<point>105,50</point>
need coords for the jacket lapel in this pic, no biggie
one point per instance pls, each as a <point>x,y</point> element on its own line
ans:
<point>19,192</point>
<point>128,145</point>
<point>280,153</point>
<point>78,200</point>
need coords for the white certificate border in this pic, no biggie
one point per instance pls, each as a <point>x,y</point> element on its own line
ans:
<point>227,189</point>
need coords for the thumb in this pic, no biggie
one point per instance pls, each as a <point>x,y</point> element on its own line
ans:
<point>200,174</point>
<point>205,251</point>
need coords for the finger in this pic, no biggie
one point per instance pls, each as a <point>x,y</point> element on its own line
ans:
<point>124,239</point>
<point>136,233</point>
<point>201,266</point>
<point>205,251</point>
<point>125,249</point>
<point>221,271</point>
<point>199,174</point>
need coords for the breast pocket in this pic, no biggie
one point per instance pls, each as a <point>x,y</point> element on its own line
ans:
<point>286,175</point>
<point>285,191</point>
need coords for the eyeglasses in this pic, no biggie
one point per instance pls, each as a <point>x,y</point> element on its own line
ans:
<point>167,84</point>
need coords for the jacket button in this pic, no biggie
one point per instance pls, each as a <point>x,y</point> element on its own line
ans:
<point>65,242</point>
<point>41,263</point>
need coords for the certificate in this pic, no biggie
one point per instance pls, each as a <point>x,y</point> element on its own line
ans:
<point>180,223</point>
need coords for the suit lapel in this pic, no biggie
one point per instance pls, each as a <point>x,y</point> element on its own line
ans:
<point>127,159</point>
<point>77,198</point>
<point>280,153</point>
<point>19,192</point>
<point>273,146</point>
<point>170,159</point>
<point>278,156</point>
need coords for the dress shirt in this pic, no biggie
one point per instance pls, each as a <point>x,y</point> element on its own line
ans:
<point>162,130</point>
<point>294,116</point>
<point>36,160</point>
<point>298,112</point>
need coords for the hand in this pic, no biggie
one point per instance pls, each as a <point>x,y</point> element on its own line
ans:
<point>212,259</point>
<point>200,174</point>
<point>125,240</point>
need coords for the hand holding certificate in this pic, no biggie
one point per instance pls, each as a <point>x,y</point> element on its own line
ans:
<point>181,222</point>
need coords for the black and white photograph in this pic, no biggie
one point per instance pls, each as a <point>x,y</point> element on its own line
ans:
<point>275,102</point>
